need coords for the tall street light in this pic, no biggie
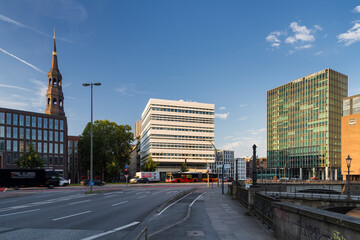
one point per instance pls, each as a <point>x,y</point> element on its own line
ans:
<point>216,158</point>
<point>91,183</point>
<point>348,163</point>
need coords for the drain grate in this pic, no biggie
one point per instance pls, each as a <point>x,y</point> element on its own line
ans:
<point>195,234</point>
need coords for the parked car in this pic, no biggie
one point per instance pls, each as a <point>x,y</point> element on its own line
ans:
<point>63,181</point>
<point>134,180</point>
<point>97,182</point>
<point>143,180</point>
<point>283,179</point>
<point>229,179</point>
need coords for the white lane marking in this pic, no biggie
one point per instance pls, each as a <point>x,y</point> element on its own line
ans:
<point>156,193</point>
<point>119,203</point>
<point>141,197</point>
<point>9,214</point>
<point>73,215</point>
<point>173,204</point>
<point>111,231</point>
<point>79,202</point>
<point>114,195</point>
<point>140,192</point>
<point>196,199</point>
<point>109,193</point>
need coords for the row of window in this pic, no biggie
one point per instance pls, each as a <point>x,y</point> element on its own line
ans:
<point>33,121</point>
<point>182,129</point>
<point>181,111</point>
<point>21,146</point>
<point>33,134</point>
<point>49,160</point>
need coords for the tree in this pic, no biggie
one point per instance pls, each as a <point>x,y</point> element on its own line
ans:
<point>30,159</point>
<point>149,165</point>
<point>111,148</point>
<point>183,167</point>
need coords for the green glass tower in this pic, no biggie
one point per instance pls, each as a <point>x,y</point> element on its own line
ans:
<point>304,126</point>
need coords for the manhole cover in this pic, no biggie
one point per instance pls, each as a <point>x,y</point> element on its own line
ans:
<point>195,234</point>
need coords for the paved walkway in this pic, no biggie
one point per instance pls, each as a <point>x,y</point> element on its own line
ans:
<point>229,218</point>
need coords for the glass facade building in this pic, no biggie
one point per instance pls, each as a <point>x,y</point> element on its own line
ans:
<point>304,126</point>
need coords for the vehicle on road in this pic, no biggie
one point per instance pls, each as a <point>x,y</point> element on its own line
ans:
<point>284,179</point>
<point>152,176</point>
<point>181,177</point>
<point>143,180</point>
<point>229,179</point>
<point>16,178</point>
<point>63,181</point>
<point>134,180</point>
<point>97,182</point>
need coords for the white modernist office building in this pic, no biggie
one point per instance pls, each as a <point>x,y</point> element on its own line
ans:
<point>174,132</point>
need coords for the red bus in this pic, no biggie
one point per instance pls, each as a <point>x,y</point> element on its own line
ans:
<point>182,177</point>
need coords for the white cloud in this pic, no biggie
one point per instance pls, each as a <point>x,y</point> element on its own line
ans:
<point>318,53</point>
<point>222,115</point>
<point>257,131</point>
<point>222,108</point>
<point>273,38</point>
<point>14,87</point>
<point>357,9</point>
<point>23,61</point>
<point>241,119</point>
<point>301,33</point>
<point>351,36</point>
<point>243,105</point>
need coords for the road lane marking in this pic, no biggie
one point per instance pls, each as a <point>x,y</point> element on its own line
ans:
<point>114,195</point>
<point>109,193</point>
<point>173,204</point>
<point>79,202</point>
<point>9,214</point>
<point>141,197</point>
<point>111,231</point>
<point>140,192</point>
<point>156,193</point>
<point>196,199</point>
<point>73,215</point>
<point>119,203</point>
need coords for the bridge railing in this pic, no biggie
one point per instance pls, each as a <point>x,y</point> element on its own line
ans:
<point>263,208</point>
<point>242,195</point>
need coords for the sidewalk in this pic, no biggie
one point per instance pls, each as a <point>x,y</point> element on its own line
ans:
<point>229,220</point>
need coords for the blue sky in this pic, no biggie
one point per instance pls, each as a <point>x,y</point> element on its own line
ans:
<point>224,52</point>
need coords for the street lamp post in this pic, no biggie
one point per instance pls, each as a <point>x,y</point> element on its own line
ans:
<point>216,158</point>
<point>91,135</point>
<point>348,163</point>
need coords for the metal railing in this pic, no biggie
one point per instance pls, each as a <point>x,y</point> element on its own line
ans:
<point>263,208</point>
<point>242,195</point>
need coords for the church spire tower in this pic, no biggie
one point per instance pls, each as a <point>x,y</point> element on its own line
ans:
<point>54,94</point>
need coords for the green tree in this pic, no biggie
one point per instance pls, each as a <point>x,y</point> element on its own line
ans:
<point>149,165</point>
<point>111,149</point>
<point>30,159</point>
<point>183,167</point>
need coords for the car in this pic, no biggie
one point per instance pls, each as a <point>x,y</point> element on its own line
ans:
<point>283,179</point>
<point>97,182</point>
<point>63,181</point>
<point>134,180</point>
<point>143,180</point>
<point>229,179</point>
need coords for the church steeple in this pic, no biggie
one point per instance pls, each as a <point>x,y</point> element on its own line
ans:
<point>54,94</point>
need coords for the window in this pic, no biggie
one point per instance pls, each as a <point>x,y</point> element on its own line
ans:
<point>27,121</point>
<point>61,159</point>
<point>45,160</point>
<point>2,131</point>
<point>39,137</point>
<point>33,134</point>
<point>33,121</point>
<point>61,148</point>
<point>39,149</point>
<point>39,122</point>
<point>76,144</point>
<point>28,133</point>
<point>8,145</point>
<point>70,144</point>
<point>21,120</point>
<point>61,136</point>
<point>45,148</point>
<point>21,133</point>
<point>8,118</point>
<point>50,160</point>
<point>21,146</point>
<point>15,132</point>
<point>61,124</point>
<point>8,158</point>
<point>15,119</point>
<point>56,124</point>
<point>56,160</point>
<point>2,117</point>
<point>56,148</point>
<point>2,144</point>
<point>50,135</point>
<point>56,136</point>
<point>50,148</point>
<point>15,146</point>
<point>45,122</point>
<point>70,151</point>
<point>8,132</point>
<point>45,135</point>
<point>15,157</point>
<point>51,123</point>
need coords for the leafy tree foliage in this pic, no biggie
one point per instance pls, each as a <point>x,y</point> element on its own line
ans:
<point>30,159</point>
<point>183,167</point>
<point>149,165</point>
<point>111,148</point>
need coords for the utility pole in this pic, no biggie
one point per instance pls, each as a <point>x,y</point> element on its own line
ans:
<point>254,165</point>
<point>236,170</point>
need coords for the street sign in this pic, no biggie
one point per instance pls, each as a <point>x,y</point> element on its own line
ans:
<point>126,166</point>
<point>126,176</point>
<point>91,183</point>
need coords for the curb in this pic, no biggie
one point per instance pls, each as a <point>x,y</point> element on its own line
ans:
<point>173,199</point>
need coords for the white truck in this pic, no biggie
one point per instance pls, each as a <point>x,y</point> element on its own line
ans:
<point>152,176</point>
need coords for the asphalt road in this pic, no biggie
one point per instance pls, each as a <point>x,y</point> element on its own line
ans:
<point>69,213</point>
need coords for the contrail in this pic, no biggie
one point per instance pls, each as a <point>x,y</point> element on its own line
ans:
<point>15,87</point>
<point>23,61</point>
<point>9,20</point>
